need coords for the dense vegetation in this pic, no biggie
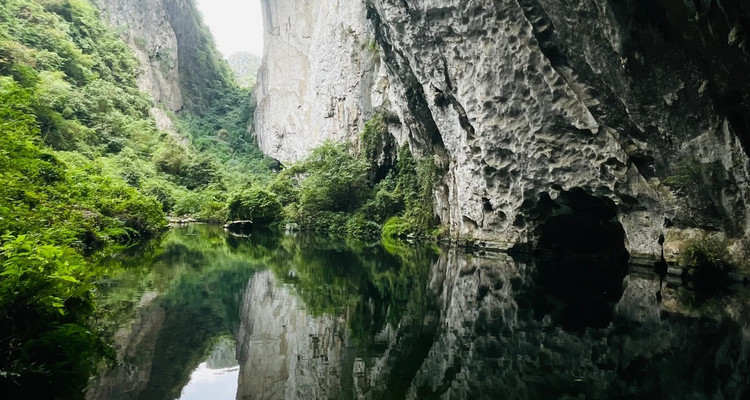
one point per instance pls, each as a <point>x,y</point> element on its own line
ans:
<point>245,66</point>
<point>332,190</point>
<point>84,168</point>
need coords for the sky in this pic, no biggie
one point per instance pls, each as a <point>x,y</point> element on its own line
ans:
<point>237,25</point>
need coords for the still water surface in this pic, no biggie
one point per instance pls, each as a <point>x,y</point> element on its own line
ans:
<point>204,315</point>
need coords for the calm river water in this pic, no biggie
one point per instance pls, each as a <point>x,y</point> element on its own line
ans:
<point>204,315</point>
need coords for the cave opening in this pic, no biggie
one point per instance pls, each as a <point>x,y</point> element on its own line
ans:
<point>580,259</point>
<point>578,223</point>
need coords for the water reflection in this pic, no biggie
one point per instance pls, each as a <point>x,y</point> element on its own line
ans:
<point>315,318</point>
<point>216,378</point>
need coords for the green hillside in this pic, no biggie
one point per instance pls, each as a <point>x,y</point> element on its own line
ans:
<point>245,66</point>
<point>84,168</point>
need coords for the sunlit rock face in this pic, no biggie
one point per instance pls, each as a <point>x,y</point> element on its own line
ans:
<point>145,26</point>
<point>526,100</point>
<point>321,77</point>
<point>284,352</point>
<point>178,58</point>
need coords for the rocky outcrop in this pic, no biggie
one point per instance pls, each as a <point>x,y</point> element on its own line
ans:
<point>639,105</point>
<point>180,66</point>
<point>145,26</point>
<point>321,76</point>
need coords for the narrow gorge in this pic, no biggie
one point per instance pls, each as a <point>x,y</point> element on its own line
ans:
<point>413,199</point>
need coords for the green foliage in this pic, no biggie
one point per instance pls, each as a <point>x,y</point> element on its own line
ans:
<point>245,67</point>
<point>372,285</point>
<point>326,187</point>
<point>332,191</point>
<point>707,251</point>
<point>360,227</point>
<point>84,167</point>
<point>687,171</point>
<point>708,258</point>
<point>255,204</point>
<point>373,136</point>
<point>413,189</point>
<point>193,171</point>
<point>397,227</point>
<point>44,301</point>
<point>336,181</point>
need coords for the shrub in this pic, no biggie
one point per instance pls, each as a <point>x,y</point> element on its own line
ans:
<point>709,255</point>
<point>323,221</point>
<point>285,188</point>
<point>373,137</point>
<point>256,204</point>
<point>336,181</point>
<point>362,228</point>
<point>397,228</point>
<point>707,251</point>
<point>213,211</point>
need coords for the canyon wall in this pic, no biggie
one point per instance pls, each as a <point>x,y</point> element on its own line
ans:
<point>180,66</point>
<point>321,76</point>
<point>533,109</point>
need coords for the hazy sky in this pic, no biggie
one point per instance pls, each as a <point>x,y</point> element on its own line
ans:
<point>237,25</point>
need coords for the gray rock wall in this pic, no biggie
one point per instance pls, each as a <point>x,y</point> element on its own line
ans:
<point>145,26</point>
<point>321,77</point>
<point>518,101</point>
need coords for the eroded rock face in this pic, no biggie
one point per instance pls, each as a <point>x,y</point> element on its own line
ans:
<point>145,26</point>
<point>521,101</point>
<point>321,76</point>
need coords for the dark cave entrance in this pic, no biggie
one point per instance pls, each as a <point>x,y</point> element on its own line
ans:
<point>578,223</point>
<point>580,259</point>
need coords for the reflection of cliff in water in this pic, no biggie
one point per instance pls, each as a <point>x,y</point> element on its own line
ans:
<point>496,328</point>
<point>184,306</point>
<point>323,319</point>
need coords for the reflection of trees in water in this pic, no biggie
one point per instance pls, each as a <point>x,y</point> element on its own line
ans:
<point>429,324</point>
<point>198,277</point>
<point>200,272</point>
<point>373,284</point>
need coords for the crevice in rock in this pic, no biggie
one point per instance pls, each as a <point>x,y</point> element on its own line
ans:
<point>414,94</point>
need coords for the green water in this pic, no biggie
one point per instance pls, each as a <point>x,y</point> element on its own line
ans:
<point>201,314</point>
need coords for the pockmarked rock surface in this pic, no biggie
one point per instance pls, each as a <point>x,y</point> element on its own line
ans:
<point>641,106</point>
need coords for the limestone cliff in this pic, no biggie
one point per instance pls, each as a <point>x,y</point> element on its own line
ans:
<point>180,66</point>
<point>541,114</point>
<point>320,77</point>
